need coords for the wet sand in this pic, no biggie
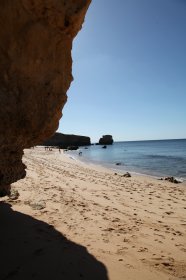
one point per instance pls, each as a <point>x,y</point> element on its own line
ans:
<point>78,221</point>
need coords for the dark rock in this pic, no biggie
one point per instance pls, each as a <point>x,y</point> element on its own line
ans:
<point>127,175</point>
<point>118,163</point>
<point>172,180</point>
<point>63,141</point>
<point>106,140</point>
<point>5,190</point>
<point>104,147</point>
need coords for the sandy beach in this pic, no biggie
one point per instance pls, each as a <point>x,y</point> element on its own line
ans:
<point>78,221</point>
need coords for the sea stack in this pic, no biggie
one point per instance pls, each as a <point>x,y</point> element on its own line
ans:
<point>106,140</point>
<point>35,74</point>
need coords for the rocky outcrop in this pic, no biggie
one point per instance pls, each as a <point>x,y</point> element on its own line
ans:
<point>172,180</point>
<point>35,74</point>
<point>106,140</point>
<point>65,140</point>
<point>127,175</point>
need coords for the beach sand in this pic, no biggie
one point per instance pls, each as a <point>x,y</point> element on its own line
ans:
<point>78,221</point>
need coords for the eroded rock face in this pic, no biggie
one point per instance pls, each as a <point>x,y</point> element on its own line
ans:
<point>35,74</point>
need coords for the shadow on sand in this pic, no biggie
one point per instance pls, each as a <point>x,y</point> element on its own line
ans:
<point>32,249</point>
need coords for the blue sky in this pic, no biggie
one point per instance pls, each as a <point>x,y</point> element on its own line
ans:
<point>129,71</point>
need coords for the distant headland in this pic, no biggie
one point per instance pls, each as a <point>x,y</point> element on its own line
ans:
<point>66,140</point>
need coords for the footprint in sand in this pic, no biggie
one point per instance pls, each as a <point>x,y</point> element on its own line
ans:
<point>141,250</point>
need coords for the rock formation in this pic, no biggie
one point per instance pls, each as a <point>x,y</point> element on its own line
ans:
<point>106,140</point>
<point>66,140</point>
<point>35,74</point>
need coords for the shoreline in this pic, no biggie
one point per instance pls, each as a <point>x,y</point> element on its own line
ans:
<point>121,228</point>
<point>110,167</point>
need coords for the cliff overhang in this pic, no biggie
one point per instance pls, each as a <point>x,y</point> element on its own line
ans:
<point>35,73</point>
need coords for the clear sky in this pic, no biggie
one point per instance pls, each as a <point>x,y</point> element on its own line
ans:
<point>129,71</point>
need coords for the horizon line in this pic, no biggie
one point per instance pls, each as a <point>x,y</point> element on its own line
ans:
<point>165,139</point>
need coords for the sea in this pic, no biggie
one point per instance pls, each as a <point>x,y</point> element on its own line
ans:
<point>157,158</point>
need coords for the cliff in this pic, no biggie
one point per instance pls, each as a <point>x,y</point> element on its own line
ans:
<point>106,140</point>
<point>35,73</point>
<point>65,140</point>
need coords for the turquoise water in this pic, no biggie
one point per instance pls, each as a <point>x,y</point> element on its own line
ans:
<point>156,158</point>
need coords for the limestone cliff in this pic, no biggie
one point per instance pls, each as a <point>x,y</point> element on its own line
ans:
<point>65,140</point>
<point>35,74</point>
